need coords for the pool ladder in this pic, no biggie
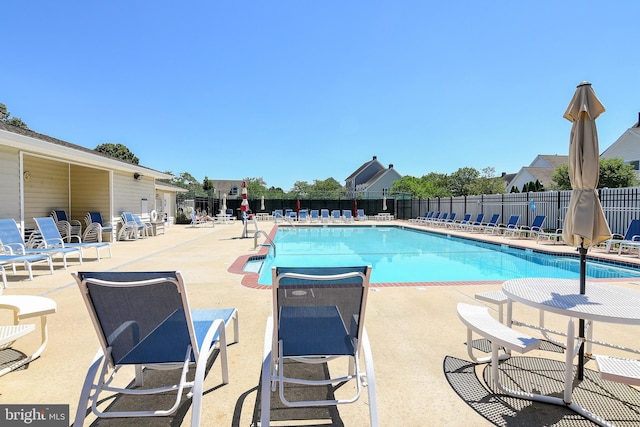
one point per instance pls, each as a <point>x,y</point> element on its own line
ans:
<point>266,236</point>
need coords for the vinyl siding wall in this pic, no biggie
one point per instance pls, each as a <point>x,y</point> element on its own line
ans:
<point>46,190</point>
<point>10,183</point>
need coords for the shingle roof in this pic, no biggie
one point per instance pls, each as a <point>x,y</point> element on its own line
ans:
<point>31,134</point>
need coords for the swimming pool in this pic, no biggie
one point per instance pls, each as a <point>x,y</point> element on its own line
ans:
<point>399,254</point>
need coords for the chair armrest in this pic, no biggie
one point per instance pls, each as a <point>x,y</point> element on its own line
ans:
<point>636,237</point>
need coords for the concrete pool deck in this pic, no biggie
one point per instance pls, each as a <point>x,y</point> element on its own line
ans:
<point>417,340</point>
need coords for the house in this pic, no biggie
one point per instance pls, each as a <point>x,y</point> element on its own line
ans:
<point>541,169</point>
<point>627,147</point>
<point>230,187</point>
<point>39,173</point>
<point>371,180</point>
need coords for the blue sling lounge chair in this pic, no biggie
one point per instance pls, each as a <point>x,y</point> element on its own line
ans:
<point>143,319</point>
<point>318,315</point>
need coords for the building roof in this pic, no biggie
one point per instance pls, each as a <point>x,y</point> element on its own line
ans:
<point>374,160</point>
<point>24,139</point>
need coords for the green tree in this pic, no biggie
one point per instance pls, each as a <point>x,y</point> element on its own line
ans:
<point>119,151</point>
<point>5,117</point>
<point>300,189</point>
<point>614,173</point>
<point>487,183</point>
<point>460,182</point>
<point>207,186</point>
<point>560,177</point>
<point>256,187</point>
<point>329,188</point>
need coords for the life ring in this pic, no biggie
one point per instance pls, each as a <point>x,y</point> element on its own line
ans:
<point>154,215</point>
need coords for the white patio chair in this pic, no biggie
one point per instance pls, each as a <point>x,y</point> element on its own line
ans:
<point>318,316</point>
<point>143,319</point>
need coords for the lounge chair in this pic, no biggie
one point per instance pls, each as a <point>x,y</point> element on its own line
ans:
<point>315,215</point>
<point>555,236</point>
<point>129,228</point>
<point>51,238</point>
<point>143,320</point>
<point>335,216</point>
<point>530,231</point>
<point>437,221</point>
<point>96,217</point>
<point>8,258</point>
<point>324,215</point>
<point>25,307</point>
<point>426,217</point>
<point>346,215</point>
<point>278,215</point>
<point>230,215</point>
<point>474,224</point>
<point>195,221</point>
<point>12,241</point>
<point>489,226</point>
<point>303,216</point>
<point>146,229</point>
<point>68,228</point>
<point>631,235</point>
<point>462,223</point>
<point>318,315</point>
<point>509,228</point>
<point>448,221</point>
<point>360,215</point>
<point>433,218</point>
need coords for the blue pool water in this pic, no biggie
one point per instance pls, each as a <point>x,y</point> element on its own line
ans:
<point>400,254</point>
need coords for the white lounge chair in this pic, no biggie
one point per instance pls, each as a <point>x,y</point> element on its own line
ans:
<point>630,239</point>
<point>144,320</point>
<point>9,259</point>
<point>51,238</point>
<point>324,215</point>
<point>318,315</point>
<point>68,228</point>
<point>346,215</point>
<point>13,242</point>
<point>96,217</point>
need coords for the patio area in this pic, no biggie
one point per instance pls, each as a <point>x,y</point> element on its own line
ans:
<point>423,373</point>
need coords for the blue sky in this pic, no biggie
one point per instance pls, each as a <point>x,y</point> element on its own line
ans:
<point>304,90</point>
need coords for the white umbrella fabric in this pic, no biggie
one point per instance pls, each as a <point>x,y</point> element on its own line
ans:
<point>223,208</point>
<point>384,203</point>
<point>262,203</point>
<point>585,224</point>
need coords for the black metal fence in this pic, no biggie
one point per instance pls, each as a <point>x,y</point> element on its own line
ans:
<point>620,206</point>
<point>370,206</point>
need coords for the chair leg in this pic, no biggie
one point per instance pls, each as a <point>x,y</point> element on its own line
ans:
<point>267,362</point>
<point>371,379</point>
<point>87,387</point>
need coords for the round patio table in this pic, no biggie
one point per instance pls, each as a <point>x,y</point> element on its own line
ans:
<point>602,302</point>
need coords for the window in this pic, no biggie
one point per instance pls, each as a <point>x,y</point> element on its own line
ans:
<point>635,164</point>
<point>233,191</point>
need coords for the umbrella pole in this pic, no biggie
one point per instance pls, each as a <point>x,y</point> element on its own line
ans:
<point>583,289</point>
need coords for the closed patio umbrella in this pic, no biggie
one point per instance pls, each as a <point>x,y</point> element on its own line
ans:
<point>584,224</point>
<point>244,207</point>
<point>223,208</point>
<point>384,203</point>
<point>262,203</point>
